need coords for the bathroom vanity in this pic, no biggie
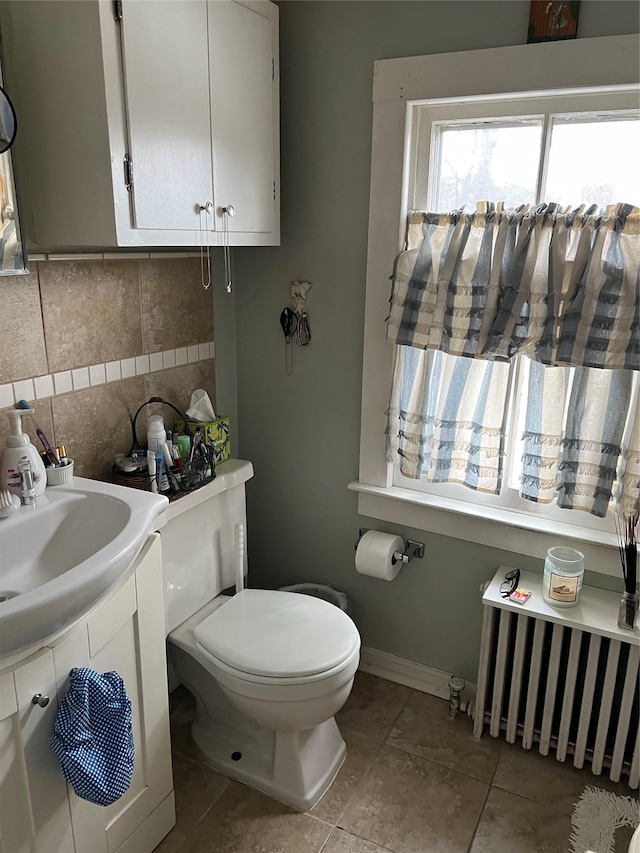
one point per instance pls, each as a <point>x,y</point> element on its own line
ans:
<point>124,632</point>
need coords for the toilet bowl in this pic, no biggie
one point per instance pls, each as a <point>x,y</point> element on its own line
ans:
<point>269,669</point>
<point>283,659</point>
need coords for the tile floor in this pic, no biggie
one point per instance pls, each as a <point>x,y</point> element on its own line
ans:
<point>414,781</point>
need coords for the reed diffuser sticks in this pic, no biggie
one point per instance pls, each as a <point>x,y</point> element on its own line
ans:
<point>626,532</point>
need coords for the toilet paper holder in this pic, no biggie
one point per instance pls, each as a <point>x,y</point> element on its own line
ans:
<point>411,549</point>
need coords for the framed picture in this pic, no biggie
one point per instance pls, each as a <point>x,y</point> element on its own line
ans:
<point>551,20</point>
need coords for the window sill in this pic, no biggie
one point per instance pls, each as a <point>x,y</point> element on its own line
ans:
<point>496,528</point>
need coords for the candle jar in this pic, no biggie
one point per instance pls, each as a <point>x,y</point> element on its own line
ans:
<point>563,574</point>
<point>628,612</point>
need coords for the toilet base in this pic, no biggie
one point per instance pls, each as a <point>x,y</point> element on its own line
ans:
<point>295,768</point>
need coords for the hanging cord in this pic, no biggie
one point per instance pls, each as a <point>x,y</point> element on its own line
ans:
<point>288,357</point>
<point>227,212</point>
<point>289,323</point>
<point>205,248</point>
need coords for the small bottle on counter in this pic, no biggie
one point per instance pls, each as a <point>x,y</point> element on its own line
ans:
<point>184,446</point>
<point>161,472</point>
<point>156,433</point>
<point>151,468</point>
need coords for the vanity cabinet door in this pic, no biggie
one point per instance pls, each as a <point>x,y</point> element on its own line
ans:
<point>34,807</point>
<point>126,634</point>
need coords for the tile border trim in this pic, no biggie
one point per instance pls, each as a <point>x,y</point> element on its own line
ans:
<point>80,378</point>
<point>40,257</point>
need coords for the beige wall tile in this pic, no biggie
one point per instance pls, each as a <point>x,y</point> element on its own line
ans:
<point>91,312</point>
<point>177,311</point>
<point>22,349</point>
<point>176,385</point>
<point>95,424</point>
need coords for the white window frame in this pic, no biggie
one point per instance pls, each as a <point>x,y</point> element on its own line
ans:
<point>582,65</point>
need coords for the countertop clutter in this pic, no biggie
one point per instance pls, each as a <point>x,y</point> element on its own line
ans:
<point>177,461</point>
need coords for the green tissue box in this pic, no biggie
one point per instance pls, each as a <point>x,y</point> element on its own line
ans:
<point>216,434</point>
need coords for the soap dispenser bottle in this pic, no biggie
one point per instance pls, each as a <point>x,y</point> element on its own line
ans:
<point>19,449</point>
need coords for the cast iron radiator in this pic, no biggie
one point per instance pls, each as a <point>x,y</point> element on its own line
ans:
<point>564,679</point>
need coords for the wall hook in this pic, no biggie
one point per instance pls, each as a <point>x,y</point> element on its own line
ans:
<point>299,290</point>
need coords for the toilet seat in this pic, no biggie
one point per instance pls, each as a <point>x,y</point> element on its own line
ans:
<point>268,636</point>
<point>269,689</point>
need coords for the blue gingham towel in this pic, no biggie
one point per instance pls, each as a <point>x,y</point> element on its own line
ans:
<point>92,736</point>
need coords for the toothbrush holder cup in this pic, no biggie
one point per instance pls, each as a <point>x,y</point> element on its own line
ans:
<point>60,476</point>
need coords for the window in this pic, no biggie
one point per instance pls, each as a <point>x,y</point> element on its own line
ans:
<point>540,149</point>
<point>524,159</point>
<point>429,114</point>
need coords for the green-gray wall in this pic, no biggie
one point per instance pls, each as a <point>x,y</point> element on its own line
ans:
<point>302,431</point>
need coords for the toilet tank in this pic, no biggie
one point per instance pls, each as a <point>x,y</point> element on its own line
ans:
<point>200,542</point>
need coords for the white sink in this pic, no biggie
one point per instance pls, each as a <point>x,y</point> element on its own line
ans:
<point>57,560</point>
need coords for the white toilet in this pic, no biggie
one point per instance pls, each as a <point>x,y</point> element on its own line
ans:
<point>269,669</point>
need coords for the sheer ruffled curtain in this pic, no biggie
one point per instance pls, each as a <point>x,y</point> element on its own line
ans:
<point>447,418</point>
<point>472,291</point>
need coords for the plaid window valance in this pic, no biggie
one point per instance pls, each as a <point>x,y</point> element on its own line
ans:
<point>559,285</point>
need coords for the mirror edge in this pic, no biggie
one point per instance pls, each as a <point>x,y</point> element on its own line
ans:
<point>20,254</point>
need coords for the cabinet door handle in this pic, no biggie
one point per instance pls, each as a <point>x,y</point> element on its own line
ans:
<point>41,700</point>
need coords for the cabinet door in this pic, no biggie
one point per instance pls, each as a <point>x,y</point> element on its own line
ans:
<point>34,807</point>
<point>126,634</point>
<point>243,118</point>
<point>15,818</point>
<point>166,78</point>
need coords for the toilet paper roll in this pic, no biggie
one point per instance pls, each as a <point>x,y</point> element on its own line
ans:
<point>374,555</point>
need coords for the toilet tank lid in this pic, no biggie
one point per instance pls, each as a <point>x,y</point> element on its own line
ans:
<point>279,634</point>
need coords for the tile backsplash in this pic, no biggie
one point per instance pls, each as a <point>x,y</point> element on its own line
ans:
<point>88,341</point>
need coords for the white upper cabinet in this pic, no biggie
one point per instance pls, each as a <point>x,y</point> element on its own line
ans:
<point>240,51</point>
<point>142,120</point>
<point>166,82</point>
